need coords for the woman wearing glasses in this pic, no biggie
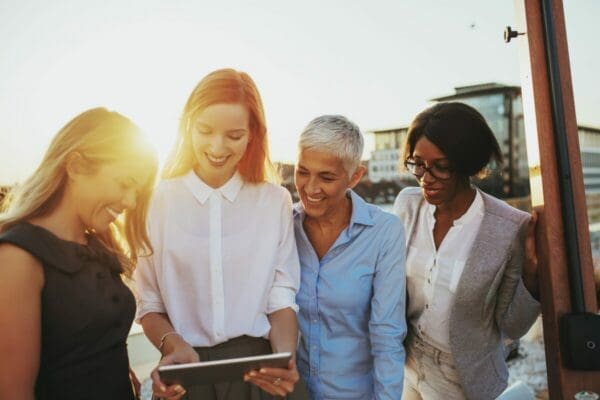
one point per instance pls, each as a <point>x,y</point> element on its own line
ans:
<point>470,280</point>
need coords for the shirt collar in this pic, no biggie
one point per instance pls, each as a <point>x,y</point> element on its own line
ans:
<point>360,211</point>
<point>202,191</point>
<point>475,208</point>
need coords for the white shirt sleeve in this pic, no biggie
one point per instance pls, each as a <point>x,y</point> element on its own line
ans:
<point>287,270</point>
<point>148,296</point>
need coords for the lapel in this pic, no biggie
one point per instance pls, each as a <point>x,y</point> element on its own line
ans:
<point>413,212</point>
<point>489,252</point>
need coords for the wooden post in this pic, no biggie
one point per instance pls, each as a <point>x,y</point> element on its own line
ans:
<point>555,292</point>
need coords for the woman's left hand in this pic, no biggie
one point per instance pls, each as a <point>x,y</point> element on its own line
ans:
<point>135,384</point>
<point>275,381</point>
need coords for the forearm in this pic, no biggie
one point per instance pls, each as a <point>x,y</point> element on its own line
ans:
<point>156,325</point>
<point>284,330</point>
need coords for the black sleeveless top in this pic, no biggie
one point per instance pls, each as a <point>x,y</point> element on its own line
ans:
<point>87,312</point>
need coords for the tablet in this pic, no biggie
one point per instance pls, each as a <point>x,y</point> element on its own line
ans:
<point>204,372</point>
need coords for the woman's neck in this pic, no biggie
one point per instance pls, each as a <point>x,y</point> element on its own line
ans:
<point>459,204</point>
<point>215,181</point>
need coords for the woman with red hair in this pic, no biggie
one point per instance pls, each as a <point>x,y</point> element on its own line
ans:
<point>224,274</point>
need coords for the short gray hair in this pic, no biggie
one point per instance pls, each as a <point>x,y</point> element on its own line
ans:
<point>336,135</point>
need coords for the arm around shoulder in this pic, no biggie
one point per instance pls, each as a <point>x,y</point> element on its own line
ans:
<point>21,282</point>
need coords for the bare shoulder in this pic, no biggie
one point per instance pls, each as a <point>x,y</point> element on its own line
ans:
<point>18,267</point>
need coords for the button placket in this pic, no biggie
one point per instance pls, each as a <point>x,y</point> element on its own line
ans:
<point>216,267</point>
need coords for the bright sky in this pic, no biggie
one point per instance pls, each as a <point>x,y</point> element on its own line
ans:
<point>377,62</point>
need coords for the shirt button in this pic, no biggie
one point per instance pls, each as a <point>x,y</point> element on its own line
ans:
<point>428,280</point>
<point>426,305</point>
<point>115,299</point>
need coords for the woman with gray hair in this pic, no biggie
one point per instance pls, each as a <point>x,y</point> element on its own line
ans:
<point>352,292</point>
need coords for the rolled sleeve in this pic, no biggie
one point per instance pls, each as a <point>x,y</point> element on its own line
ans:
<point>147,293</point>
<point>287,271</point>
<point>387,325</point>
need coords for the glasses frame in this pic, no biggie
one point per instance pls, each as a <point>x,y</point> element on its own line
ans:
<point>411,162</point>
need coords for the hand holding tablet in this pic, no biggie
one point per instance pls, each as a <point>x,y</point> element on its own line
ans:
<point>205,372</point>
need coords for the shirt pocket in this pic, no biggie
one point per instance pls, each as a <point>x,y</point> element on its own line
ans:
<point>457,271</point>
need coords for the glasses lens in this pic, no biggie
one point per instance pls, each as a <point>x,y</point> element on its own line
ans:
<point>410,166</point>
<point>436,171</point>
<point>440,172</point>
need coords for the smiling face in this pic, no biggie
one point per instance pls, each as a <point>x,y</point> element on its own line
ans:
<point>322,182</point>
<point>436,191</point>
<point>101,196</point>
<point>220,136</point>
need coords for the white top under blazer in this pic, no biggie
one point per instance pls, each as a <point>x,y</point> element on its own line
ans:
<point>432,274</point>
<point>223,258</point>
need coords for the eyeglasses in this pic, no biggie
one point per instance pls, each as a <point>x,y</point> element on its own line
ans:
<point>418,169</point>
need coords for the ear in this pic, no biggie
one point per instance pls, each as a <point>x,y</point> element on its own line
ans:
<point>357,176</point>
<point>75,166</point>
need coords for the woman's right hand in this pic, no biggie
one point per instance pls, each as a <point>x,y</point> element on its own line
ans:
<point>179,353</point>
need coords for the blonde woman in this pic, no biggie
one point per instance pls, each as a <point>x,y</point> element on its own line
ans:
<point>64,308</point>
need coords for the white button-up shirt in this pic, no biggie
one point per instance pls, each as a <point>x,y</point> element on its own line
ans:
<point>433,275</point>
<point>223,258</point>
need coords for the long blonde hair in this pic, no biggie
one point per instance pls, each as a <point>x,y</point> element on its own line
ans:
<point>225,86</point>
<point>99,136</point>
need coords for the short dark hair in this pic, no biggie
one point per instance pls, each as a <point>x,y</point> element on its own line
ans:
<point>460,132</point>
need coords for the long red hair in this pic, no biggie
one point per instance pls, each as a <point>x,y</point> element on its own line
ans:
<point>225,86</point>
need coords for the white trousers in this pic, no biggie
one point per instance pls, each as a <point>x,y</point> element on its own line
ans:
<point>429,373</point>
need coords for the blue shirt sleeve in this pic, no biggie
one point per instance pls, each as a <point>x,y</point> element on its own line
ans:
<point>387,324</point>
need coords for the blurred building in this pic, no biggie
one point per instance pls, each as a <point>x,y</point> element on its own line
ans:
<point>383,165</point>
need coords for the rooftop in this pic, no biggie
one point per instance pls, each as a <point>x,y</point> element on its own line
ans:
<point>479,89</point>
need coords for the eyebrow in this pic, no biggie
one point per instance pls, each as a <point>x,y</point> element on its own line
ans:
<point>203,125</point>
<point>434,160</point>
<point>320,172</point>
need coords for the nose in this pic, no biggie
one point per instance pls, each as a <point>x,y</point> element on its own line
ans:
<point>427,177</point>
<point>312,186</point>
<point>130,199</point>
<point>217,145</point>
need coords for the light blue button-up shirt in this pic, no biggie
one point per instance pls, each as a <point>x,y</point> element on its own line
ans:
<point>352,305</point>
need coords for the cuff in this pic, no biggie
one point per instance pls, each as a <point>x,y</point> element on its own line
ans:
<point>280,298</point>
